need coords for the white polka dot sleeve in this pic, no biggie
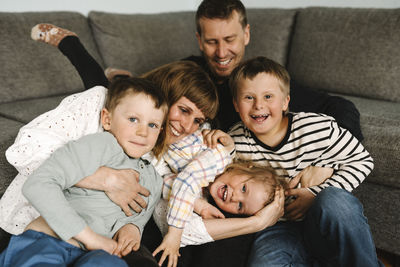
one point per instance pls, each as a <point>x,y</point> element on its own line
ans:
<point>77,115</point>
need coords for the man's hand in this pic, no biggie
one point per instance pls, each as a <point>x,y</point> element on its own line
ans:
<point>170,247</point>
<point>128,239</point>
<point>206,210</point>
<point>123,188</point>
<point>214,137</point>
<point>302,202</point>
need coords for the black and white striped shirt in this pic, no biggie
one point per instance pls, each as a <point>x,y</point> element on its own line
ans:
<point>311,140</point>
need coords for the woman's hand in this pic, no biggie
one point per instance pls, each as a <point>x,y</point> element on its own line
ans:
<point>271,213</point>
<point>128,239</point>
<point>121,186</point>
<point>214,137</point>
<point>170,247</point>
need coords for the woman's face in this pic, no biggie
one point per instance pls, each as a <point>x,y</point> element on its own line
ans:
<point>237,193</point>
<point>184,119</point>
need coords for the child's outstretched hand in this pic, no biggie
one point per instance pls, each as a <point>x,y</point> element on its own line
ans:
<point>214,137</point>
<point>206,210</point>
<point>128,239</point>
<point>170,245</point>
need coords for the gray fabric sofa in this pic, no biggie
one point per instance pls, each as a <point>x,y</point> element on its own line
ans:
<point>348,52</point>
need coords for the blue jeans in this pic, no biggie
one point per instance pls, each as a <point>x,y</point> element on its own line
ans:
<point>334,232</point>
<point>33,248</point>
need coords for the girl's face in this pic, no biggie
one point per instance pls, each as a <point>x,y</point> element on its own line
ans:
<point>237,193</point>
<point>184,119</point>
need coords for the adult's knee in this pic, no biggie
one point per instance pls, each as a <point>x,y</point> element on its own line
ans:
<point>337,205</point>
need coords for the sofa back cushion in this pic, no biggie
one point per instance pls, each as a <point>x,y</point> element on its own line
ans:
<point>270,33</point>
<point>32,69</point>
<point>349,51</point>
<point>141,42</point>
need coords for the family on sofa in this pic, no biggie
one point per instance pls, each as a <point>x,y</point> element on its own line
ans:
<point>325,154</point>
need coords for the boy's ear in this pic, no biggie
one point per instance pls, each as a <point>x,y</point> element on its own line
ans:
<point>286,103</point>
<point>106,119</point>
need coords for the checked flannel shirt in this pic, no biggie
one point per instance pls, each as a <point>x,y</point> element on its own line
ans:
<point>195,166</point>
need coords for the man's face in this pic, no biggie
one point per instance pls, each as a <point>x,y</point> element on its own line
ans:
<point>223,43</point>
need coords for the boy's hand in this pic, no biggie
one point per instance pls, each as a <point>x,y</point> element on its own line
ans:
<point>214,137</point>
<point>206,210</point>
<point>300,205</point>
<point>128,239</point>
<point>271,213</point>
<point>170,245</point>
<point>311,176</point>
<point>123,188</point>
<point>93,241</point>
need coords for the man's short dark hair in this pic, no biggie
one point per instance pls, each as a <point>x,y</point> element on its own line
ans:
<point>220,9</point>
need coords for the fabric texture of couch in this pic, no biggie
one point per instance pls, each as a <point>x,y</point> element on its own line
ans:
<point>349,52</point>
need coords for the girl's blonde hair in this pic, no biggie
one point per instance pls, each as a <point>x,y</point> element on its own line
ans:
<point>186,78</point>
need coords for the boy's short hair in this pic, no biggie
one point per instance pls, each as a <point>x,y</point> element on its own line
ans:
<point>220,9</point>
<point>120,87</point>
<point>252,67</point>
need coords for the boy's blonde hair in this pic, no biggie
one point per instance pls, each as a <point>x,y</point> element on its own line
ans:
<point>264,174</point>
<point>186,78</point>
<point>251,68</point>
<point>121,87</point>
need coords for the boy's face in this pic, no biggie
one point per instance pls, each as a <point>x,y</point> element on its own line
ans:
<point>135,123</point>
<point>260,103</point>
<point>223,43</point>
<point>236,193</point>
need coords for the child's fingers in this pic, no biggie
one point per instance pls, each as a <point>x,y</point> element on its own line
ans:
<point>173,260</point>
<point>295,181</point>
<point>163,257</point>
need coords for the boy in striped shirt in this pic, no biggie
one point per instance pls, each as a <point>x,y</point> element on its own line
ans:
<point>334,231</point>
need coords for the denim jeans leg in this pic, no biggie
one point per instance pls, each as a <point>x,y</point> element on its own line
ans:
<point>33,248</point>
<point>99,258</point>
<point>337,232</point>
<point>279,245</point>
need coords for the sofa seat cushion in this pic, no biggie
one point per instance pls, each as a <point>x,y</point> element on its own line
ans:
<point>382,210</point>
<point>26,110</point>
<point>32,69</point>
<point>380,124</point>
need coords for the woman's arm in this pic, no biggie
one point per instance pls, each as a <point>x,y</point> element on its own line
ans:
<point>121,186</point>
